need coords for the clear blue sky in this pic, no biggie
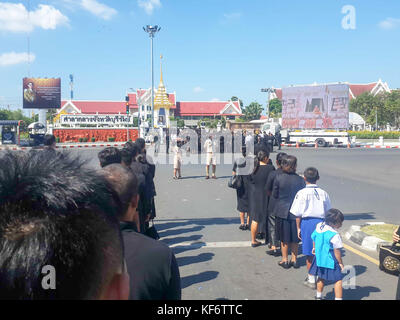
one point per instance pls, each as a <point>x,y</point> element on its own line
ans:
<point>213,49</point>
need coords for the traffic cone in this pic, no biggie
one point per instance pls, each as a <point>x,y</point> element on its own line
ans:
<point>297,145</point>
<point>316,146</point>
<point>348,146</point>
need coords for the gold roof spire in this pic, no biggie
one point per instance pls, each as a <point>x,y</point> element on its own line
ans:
<point>161,99</point>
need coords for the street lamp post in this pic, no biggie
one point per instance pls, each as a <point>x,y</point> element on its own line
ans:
<point>268,91</point>
<point>152,30</point>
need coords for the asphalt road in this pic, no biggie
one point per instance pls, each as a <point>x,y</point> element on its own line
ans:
<point>198,218</point>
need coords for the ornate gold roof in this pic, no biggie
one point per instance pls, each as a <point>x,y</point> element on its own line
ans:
<point>161,99</point>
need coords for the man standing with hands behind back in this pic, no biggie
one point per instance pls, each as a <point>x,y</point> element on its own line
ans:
<point>209,147</point>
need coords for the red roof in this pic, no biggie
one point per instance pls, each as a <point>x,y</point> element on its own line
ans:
<point>359,89</point>
<point>197,108</point>
<point>101,107</point>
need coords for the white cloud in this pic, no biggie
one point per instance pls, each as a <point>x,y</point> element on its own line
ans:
<point>389,23</point>
<point>198,89</point>
<point>98,9</point>
<point>14,17</point>
<point>231,17</point>
<point>13,58</point>
<point>149,5</point>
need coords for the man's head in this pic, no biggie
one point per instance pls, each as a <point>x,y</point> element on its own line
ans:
<point>279,158</point>
<point>55,212</point>
<point>125,184</point>
<point>141,143</point>
<point>50,140</point>
<point>109,156</point>
<point>311,175</point>
<point>126,157</point>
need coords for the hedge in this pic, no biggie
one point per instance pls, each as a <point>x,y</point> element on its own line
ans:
<point>375,134</point>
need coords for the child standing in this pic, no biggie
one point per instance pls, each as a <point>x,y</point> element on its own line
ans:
<point>309,207</point>
<point>327,264</point>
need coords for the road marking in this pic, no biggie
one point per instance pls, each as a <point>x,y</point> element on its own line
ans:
<point>361,254</point>
<point>198,245</point>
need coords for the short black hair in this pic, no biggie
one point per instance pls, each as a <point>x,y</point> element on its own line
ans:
<point>55,211</point>
<point>126,156</point>
<point>125,184</point>
<point>262,154</point>
<point>49,140</point>
<point>109,156</point>
<point>141,143</point>
<point>279,157</point>
<point>311,174</point>
<point>289,164</point>
<point>334,217</point>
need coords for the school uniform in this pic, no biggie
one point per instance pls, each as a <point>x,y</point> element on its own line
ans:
<point>310,204</point>
<point>286,186</point>
<point>325,265</point>
<point>177,158</point>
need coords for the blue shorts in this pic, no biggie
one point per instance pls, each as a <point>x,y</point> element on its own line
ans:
<point>308,226</point>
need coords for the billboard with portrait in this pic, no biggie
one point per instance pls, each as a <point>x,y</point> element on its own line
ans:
<point>42,93</point>
<point>316,107</point>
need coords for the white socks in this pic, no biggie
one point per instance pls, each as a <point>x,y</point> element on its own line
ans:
<point>311,279</point>
<point>319,295</point>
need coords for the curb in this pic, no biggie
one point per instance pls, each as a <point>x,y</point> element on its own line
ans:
<point>365,241</point>
<point>68,146</point>
<point>293,145</point>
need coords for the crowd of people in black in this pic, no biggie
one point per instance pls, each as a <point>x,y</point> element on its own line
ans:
<point>93,227</point>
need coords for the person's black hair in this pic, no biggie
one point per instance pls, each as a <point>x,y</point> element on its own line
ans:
<point>289,164</point>
<point>126,156</point>
<point>334,217</point>
<point>141,143</point>
<point>125,184</point>
<point>279,158</point>
<point>49,140</point>
<point>56,212</point>
<point>311,175</point>
<point>262,154</point>
<point>109,156</point>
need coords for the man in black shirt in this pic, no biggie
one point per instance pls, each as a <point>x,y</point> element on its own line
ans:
<point>152,266</point>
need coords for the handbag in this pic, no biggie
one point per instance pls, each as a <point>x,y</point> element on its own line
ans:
<point>389,259</point>
<point>152,232</point>
<point>235,182</point>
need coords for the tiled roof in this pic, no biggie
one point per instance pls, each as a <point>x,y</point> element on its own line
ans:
<point>198,108</point>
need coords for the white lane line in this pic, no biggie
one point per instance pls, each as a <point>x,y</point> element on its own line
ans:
<point>229,244</point>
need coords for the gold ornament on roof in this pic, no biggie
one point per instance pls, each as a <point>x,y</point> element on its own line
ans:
<point>161,99</point>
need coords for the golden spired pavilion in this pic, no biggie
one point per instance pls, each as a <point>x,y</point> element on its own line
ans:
<point>162,105</point>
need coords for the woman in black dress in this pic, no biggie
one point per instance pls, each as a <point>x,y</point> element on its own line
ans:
<point>271,238</point>
<point>286,186</point>
<point>241,168</point>
<point>258,195</point>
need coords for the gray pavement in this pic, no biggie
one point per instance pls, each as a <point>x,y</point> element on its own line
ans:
<point>198,219</point>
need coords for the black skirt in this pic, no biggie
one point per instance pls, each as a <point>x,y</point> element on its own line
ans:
<point>242,200</point>
<point>286,230</point>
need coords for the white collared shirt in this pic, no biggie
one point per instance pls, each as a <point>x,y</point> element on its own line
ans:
<point>311,202</point>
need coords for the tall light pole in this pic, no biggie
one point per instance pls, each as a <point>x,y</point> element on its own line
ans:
<point>152,30</point>
<point>268,91</point>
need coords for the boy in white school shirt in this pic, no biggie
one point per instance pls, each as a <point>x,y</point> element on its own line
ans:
<point>309,207</point>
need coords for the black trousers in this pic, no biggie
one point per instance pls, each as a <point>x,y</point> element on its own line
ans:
<point>271,225</point>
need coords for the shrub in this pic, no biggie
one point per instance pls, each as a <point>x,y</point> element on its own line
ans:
<point>111,139</point>
<point>93,139</point>
<point>375,134</point>
<point>80,139</point>
<point>57,139</point>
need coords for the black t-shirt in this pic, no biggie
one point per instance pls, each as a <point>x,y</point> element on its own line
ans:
<point>152,267</point>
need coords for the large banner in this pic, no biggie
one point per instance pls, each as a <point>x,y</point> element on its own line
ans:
<point>42,93</point>
<point>316,107</point>
<point>111,119</point>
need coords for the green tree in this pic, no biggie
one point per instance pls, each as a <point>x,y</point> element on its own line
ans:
<point>369,106</point>
<point>253,111</point>
<point>275,107</point>
<point>392,105</point>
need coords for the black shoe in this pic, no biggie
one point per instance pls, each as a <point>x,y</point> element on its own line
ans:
<point>242,227</point>
<point>255,245</point>
<point>260,236</point>
<point>294,264</point>
<point>284,265</point>
<point>247,227</point>
<point>274,253</point>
